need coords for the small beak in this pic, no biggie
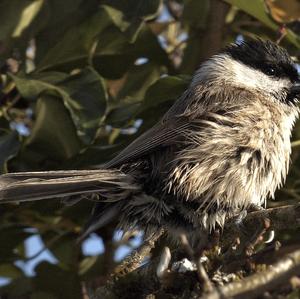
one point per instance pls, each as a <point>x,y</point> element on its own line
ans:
<point>294,93</point>
<point>295,89</point>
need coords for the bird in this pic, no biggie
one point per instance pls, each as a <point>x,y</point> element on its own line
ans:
<point>223,147</point>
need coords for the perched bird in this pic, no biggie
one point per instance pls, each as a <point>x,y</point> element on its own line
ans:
<point>222,147</point>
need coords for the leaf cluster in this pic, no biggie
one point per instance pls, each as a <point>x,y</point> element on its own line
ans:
<point>79,81</point>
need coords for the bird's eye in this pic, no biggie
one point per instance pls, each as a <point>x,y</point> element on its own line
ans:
<point>271,71</point>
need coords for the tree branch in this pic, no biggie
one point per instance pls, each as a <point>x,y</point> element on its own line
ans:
<point>205,42</point>
<point>281,218</point>
<point>135,259</point>
<point>256,284</point>
<point>143,280</point>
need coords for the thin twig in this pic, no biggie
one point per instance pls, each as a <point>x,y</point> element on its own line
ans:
<point>133,261</point>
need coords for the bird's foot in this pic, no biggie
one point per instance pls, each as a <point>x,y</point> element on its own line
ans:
<point>162,269</point>
<point>258,236</point>
<point>198,258</point>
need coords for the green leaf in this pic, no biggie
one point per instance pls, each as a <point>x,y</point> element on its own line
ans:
<point>130,15</point>
<point>86,101</point>
<point>91,266</point>
<point>119,116</point>
<point>159,98</point>
<point>134,9</point>
<point>9,147</point>
<point>138,79</point>
<point>65,249</point>
<point>117,17</point>
<point>76,43</point>
<point>94,155</point>
<point>42,295</point>
<point>31,86</point>
<point>165,89</point>
<point>111,42</point>
<point>103,29</point>
<point>112,66</point>
<point>60,17</point>
<point>114,55</point>
<point>19,21</point>
<point>83,94</point>
<point>256,8</point>
<point>53,133</point>
<point>10,14</point>
<point>51,279</point>
<point>127,101</point>
<point>10,239</point>
<point>17,288</point>
<point>10,271</point>
<point>148,45</point>
<point>195,13</point>
<point>27,16</point>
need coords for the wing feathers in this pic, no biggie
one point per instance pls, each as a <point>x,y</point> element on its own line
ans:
<point>161,135</point>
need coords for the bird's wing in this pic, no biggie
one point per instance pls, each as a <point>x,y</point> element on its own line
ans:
<point>166,132</point>
<point>163,134</point>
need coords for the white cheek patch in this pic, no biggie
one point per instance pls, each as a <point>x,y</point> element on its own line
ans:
<point>224,68</point>
<point>251,78</point>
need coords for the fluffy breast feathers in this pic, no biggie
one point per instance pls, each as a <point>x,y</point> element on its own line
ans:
<point>238,155</point>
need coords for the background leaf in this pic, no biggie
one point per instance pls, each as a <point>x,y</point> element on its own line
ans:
<point>9,146</point>
<point>80,80</point>
<point>53,131</point>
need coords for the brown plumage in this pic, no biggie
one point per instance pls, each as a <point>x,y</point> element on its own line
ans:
<point>223,146</point>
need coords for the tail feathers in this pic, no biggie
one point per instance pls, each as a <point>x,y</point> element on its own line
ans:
<point>112,185</point>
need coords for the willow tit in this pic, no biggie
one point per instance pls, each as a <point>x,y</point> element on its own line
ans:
<point>222,147</point>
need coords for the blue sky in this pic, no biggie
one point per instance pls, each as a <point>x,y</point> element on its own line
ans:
<point>90,247</point>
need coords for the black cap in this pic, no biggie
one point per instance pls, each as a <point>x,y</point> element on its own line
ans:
<point>265,56</point>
